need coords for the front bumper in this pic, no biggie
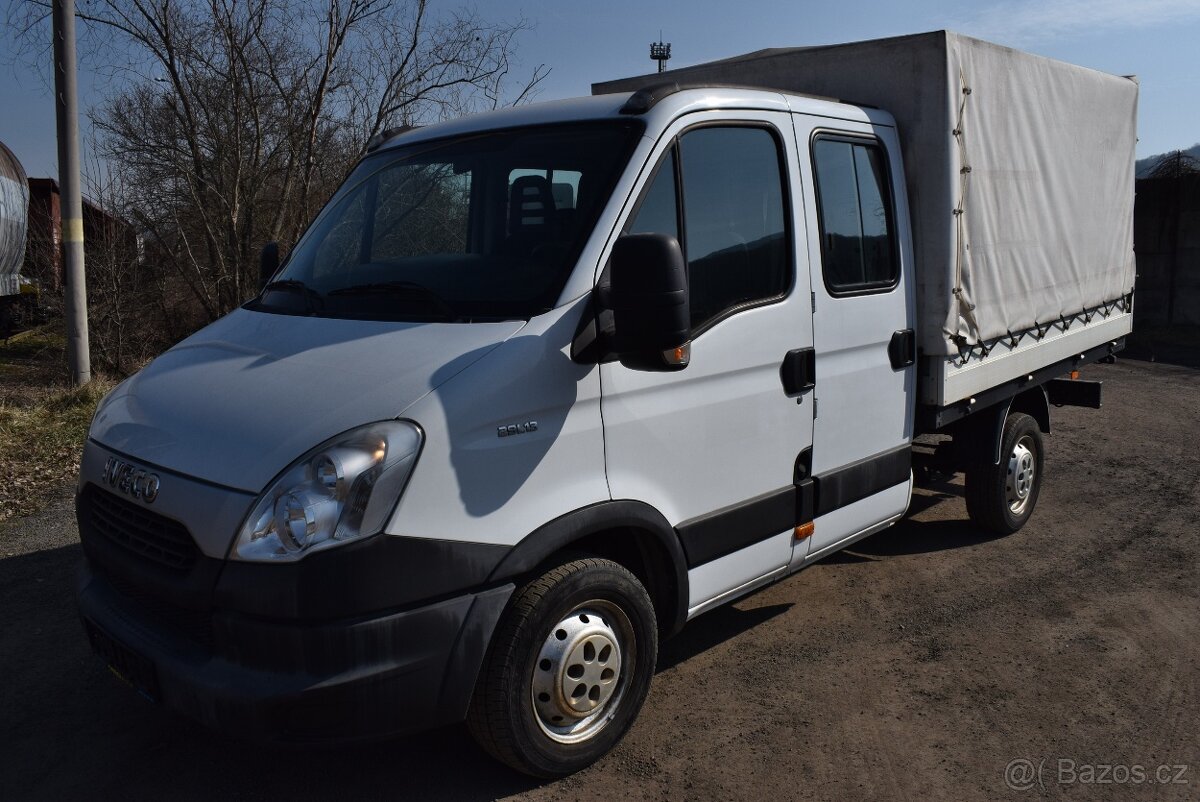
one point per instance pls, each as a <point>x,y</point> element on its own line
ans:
<point>340,680</point>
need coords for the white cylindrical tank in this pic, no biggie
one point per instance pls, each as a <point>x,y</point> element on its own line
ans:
<point>14,208</point>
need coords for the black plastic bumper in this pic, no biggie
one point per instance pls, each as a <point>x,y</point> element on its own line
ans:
<point>339,680</point>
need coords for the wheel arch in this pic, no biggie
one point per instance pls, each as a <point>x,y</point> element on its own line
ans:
<point>982,432</point>
<point>631,533</point>
<point>1034,403</point>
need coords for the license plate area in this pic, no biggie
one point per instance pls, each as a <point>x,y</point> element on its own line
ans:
<point>129,666</point>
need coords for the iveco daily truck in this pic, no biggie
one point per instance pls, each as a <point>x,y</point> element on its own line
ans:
<point>539,386</point>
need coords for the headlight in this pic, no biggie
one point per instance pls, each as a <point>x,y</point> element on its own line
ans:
<point>343,489</point>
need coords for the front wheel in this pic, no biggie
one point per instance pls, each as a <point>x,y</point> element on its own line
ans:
<point>567,670</point>
<point>1000,498</point>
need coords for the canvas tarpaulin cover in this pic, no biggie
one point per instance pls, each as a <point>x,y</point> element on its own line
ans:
<point>1020,171</point>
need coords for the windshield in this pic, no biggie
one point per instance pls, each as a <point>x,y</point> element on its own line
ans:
<point>481,227</point>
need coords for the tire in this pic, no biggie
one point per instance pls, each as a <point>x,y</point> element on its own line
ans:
<point>1001,498</point>
<point>548,658</point>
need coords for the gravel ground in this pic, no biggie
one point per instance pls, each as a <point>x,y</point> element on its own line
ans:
<point>917,666</point>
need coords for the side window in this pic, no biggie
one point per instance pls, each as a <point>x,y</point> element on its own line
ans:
<point>858,244</point>
<point>735,237</point>
<point>734,232</point>
<point>658,213</point>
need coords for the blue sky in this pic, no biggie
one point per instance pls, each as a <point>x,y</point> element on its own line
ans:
<point>584,42</point>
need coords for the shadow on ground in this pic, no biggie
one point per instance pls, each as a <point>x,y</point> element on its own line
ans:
<point>719,625</point>
<point>911,537</point>
<point>917,537</point>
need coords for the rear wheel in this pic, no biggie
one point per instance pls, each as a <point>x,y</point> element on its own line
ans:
<point>567,670</point>
<point>1001,497</point>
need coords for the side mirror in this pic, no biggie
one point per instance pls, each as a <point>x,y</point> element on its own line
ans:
<point>268,263</point>
<point>649,299</point>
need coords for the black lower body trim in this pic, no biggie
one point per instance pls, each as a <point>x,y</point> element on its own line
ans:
<point>727,530</point>
<point>866,477</point>
<point>721,533</point>
<point>379,573</point>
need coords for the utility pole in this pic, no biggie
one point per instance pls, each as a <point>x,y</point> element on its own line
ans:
<point>71,204</point>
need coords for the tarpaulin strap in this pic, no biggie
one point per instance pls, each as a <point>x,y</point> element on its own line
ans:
<point>967,351</point>
<point>965,309</point>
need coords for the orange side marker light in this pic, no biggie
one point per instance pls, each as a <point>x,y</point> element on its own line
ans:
<point>805,530</point>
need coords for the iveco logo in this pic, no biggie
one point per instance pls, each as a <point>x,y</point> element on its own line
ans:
<point>131,480</point>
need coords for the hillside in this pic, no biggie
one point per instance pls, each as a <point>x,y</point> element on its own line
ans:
<point>1144,166</point>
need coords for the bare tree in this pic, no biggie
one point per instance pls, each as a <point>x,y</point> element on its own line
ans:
<point>1176,165</point>
<point>234,120</point>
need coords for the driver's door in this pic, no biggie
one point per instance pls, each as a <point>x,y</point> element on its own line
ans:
<point>714,447</point>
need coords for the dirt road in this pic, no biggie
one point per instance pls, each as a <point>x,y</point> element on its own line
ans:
<point>918,666</point>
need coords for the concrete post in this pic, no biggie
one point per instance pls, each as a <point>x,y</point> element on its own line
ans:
<point>67,114</point>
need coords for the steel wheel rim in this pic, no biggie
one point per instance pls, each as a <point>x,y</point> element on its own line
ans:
<point>581,672</point>
<point>1022,473</point>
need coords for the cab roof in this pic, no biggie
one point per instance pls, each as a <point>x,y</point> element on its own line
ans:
<point>656,105</point>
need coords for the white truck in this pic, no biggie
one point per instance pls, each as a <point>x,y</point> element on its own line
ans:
<point>539,386</point>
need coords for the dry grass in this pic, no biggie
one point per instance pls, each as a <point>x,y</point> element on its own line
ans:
<point>43,421</point>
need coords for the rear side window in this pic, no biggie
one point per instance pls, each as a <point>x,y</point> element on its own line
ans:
<point>735,236</point>
<point>858,243</point>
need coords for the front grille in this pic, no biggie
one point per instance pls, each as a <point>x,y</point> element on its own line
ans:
<point>131,526</point>
<point>194,625</point>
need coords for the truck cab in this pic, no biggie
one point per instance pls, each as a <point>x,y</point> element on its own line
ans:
<point>536,388</point>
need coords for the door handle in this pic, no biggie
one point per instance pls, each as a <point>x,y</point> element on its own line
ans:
<point>799,371</point>
<point>902,350</point>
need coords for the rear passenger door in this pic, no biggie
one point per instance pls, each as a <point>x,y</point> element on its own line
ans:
<point>714,446</point>
<point>862,326</point>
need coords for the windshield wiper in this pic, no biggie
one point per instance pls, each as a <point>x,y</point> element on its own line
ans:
<point>404,289</point>
<point>312,299</point>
